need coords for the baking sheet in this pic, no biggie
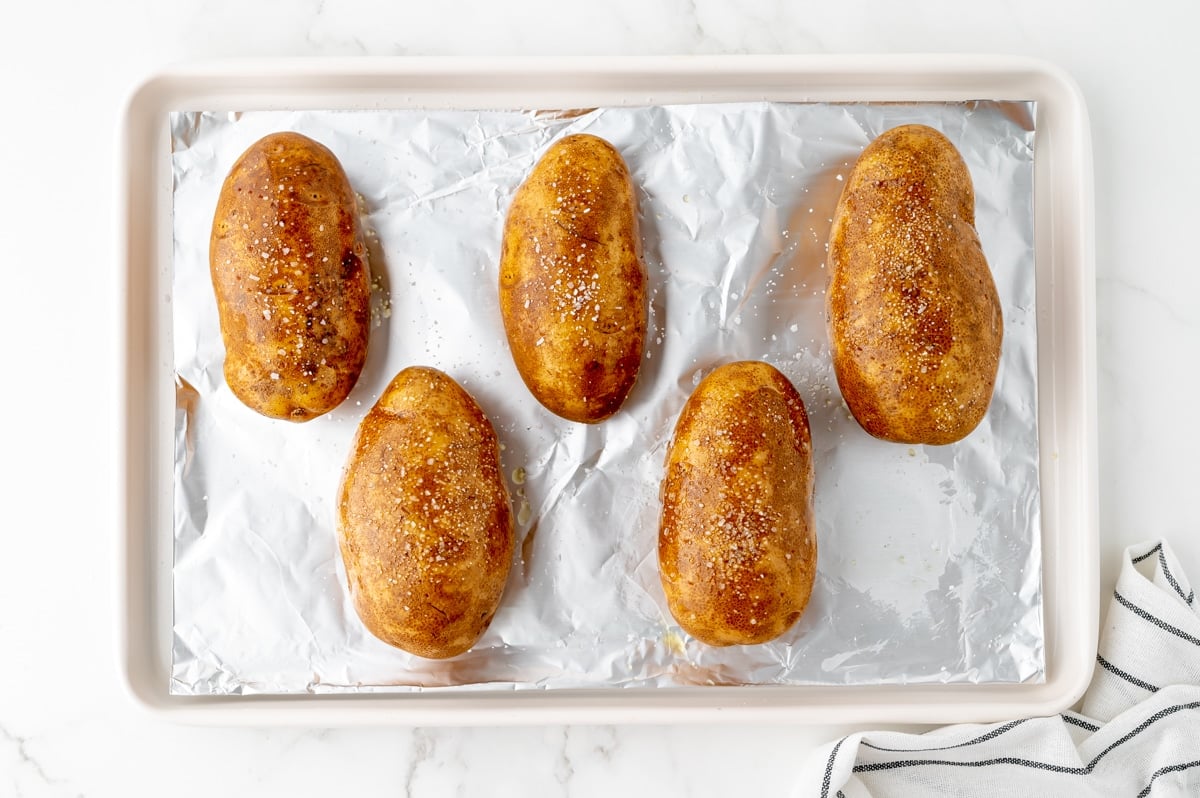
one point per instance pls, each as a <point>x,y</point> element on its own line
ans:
<point>929,565</point>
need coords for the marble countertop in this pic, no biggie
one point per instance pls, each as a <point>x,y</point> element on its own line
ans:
<point>66,726</point>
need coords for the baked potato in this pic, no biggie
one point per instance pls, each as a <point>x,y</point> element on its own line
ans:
<point>424,521</point>
<point>915,323</point>
<point>737,550</point>
<point>572,281</point>
<point>290,274</point>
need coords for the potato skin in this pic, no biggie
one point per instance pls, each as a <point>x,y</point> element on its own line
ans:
<point>737,550</point>
<point>915,323</point>
<point>424,522</point>
<point>572,281</point>
<point>289,271</point>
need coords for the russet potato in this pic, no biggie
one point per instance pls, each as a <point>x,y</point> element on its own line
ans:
<point>572,281</point>
<point>737,548</point>
<point>289,271</point>
<point>424,522</point>
<point>915,324</point>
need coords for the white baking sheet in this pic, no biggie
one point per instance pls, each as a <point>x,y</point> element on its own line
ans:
<point>1065,266</point>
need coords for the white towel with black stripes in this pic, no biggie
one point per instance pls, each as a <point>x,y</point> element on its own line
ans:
<point>1138,733</point>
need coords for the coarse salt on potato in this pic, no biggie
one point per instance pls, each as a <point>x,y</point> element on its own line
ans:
<point>289,271</point>
<point>424,521</point>
<point>737,548</point>
<point>572,281</point>
<point>915,324</point>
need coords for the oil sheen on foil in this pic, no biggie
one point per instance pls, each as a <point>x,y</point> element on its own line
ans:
<point>929,566</point>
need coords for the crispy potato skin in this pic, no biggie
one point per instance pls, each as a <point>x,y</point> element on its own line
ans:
<point>737,550</point>
<point>572,281</point>
<point>424,521</point>
<point>289,271</point>
<point>915,323</point>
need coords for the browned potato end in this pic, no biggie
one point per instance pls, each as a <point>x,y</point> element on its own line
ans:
<point>915,323</point>
<point>424,521</point>
<point>737,549</point>
<point>572,281</point>
<point>289,271</point>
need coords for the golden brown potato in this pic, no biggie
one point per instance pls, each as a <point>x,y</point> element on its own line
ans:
<point>424,521</point>
<point>289,271</point>
<point>572,282</point>
<point>737,551</point>
<point>914,318</point>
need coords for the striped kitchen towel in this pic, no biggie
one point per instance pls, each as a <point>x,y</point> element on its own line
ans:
<point>1138,733</point>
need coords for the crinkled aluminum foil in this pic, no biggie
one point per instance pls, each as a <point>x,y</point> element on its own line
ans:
<point>929,557</point>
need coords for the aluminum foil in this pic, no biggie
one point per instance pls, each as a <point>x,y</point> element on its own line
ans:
<point>929,564</point>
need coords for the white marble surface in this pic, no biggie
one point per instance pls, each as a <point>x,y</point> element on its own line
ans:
<point>66,729</point>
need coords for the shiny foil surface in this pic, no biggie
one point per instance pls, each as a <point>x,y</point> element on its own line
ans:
<point>929,566</point>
